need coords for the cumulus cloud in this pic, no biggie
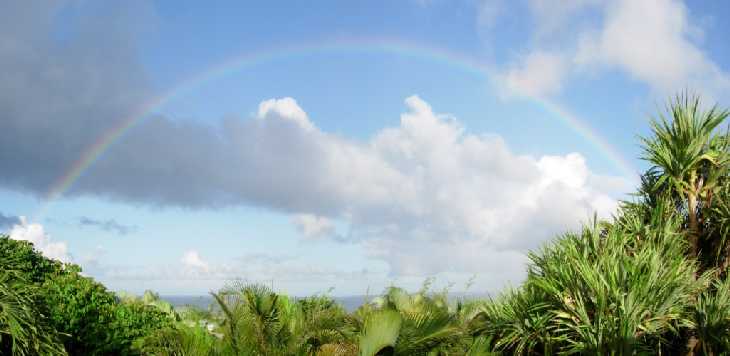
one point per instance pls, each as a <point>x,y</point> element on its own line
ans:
<point>285,109</point>
<point>469,197</point>
<point>42,242</point>
<point>109,225</point>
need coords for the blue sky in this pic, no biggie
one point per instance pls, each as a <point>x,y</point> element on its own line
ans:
<point>361,144</point>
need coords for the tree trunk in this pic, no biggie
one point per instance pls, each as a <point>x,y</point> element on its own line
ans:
<point>691,345</point>
<point>693,231</point>
<point>725,261</point>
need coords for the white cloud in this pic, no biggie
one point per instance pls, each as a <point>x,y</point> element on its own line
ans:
<point>313,226</point>
<point>540,73</point>
<point>36,234</point>
<point>652,41</point>
<point>427,189</point>
<point>469,199</point>
<point>424,197</point>
<point>286,109</point>
<point>191,260</point>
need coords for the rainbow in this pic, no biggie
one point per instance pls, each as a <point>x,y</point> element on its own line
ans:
<point>246,60</point>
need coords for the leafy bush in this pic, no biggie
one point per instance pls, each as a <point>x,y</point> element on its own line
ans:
<point>89,319</point>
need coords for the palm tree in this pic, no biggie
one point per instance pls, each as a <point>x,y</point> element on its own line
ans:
<point>258,321</point>
<point>688,156</point>
<point>422,323</point>
<point>254,318</point>
<point>379,333</point>
<point>321,323</point>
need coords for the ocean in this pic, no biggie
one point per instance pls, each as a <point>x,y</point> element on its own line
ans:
<point>350,303</point>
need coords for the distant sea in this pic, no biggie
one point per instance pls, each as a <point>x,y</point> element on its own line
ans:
<point>350,303</point>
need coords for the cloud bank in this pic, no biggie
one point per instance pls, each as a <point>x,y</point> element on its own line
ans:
<point>57,97</point>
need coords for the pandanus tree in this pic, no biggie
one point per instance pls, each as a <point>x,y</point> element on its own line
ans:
<point>689,158</point>
<point>618,289</point>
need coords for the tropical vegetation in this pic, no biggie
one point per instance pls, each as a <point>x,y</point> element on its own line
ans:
<point>652,279</point>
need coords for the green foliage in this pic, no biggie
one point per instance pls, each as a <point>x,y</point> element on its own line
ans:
<point>89,319</point>
<point>717,226</point>
<point>20,256</point>
<point>255,320</point>
<point>711,318</point>
<point>421,323</point>
<point>609,294</point>
<point>96,322</point>
<point>23,325</point>
<point>380,332</point>
<point>612,288</point>
<point>181,340</point>
<point>135,321</point>
<point>320,321</point>
<point>81,309</point>
<point>518,321</point>
<point>192,334</point>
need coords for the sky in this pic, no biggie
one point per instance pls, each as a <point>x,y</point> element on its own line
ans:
<point>332,146</point>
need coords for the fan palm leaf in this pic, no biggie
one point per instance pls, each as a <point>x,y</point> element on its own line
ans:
<point>22,327</point>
